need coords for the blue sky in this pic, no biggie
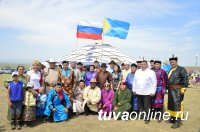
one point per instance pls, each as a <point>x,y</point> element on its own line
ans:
<point>41,29</point>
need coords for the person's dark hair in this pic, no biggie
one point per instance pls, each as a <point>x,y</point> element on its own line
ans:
<point>60,66</point>
<point>19,67</point>
<point>151,61</point>
<point>134,65</point>
<point>81,81</point>
<point>65,62</point>
<point>144,61</point>
<point>119,69</point>
<point>92,66</point>
<point>96,62</point>
<point>80,63</point>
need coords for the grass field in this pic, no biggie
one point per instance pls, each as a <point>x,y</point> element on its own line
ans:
<point>92,124</point>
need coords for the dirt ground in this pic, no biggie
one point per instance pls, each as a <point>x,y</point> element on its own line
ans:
<point>92,124</point>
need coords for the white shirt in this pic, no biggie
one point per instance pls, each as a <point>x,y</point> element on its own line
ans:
<point>109,69</point>
<point>125,73</point>
<point>34,78</point>
<point>77,73</point>
<point>144,82</point>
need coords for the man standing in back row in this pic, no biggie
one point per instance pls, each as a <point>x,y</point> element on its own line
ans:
<point>177,83</point>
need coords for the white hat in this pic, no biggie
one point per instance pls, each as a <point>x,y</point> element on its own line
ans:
<point>126,62</point>
<point>15,73</point>
<point>52,60</point>
<point>30,85</point>
<point>45,64</point>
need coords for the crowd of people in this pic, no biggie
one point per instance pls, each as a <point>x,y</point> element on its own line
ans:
<point>60,92</point>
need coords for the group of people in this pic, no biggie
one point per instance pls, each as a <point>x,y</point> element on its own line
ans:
<point>59,92</point>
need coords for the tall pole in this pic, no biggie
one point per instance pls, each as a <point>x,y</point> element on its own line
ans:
<point>77,42</point>
<point>76,47</point>
<point>102,48</point>
<point>196,62</point>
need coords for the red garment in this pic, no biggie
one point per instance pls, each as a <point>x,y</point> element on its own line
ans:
<point>41,79</point>
<point>61,95</point>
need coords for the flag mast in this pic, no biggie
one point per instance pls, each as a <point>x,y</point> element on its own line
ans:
<point>76,44</point>
<point>102,41</point>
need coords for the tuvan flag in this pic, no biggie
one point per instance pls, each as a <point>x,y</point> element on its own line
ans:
<point>115,28</point>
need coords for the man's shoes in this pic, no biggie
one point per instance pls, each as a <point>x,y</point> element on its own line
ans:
<point>146,121</point>
<point>171,120</point>
<point>25,125</point>
<point>13,126</point>
<point>176,125</point>
<point>18,125</point>
<point>46,119</point>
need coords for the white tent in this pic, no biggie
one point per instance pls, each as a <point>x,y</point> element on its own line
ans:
<point>100,52</point>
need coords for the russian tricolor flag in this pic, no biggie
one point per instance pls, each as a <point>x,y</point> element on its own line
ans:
<point>89,30</point>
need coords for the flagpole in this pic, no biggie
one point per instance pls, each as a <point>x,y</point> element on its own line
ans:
<point>76,47</point>
<point>76,43</point>
<point>102,48</point>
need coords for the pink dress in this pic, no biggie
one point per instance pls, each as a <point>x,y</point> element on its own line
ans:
<point>106,101</point>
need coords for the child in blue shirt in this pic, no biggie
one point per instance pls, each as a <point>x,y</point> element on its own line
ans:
<point>15,99</point>
<point>41,103</point>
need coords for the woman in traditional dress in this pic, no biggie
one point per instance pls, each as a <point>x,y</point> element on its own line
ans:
<point>89,75</point>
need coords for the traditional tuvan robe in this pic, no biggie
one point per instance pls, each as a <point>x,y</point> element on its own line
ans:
<point>60,101</point>
<point>78,105</point>
<point>51,79</point>
<point>177,82</point>
<point>158,98</point>
<point>106,100</point>
<point>69,80</point>
<point>122,100</point>
<point>89,76</point>
<point>94,95</point>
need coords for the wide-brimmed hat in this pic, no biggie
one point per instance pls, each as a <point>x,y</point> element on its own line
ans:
<point>126,62</point>
<point>35,62</point>
<point>52,60</point>
<point>103,65</point>
<point>93,80</point>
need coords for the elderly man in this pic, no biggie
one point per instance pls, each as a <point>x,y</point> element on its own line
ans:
<point>51,76</point>
<point>58,104</point>
<point>103,76</point>
<point>122,99</point>
<point>68,79</point>
<point>144,86</point>
<point>177,84</point>
<point>126,70</point>
<point>129,82</point>
<point>78,106</point>
<point>77,72</point>
<point>91,96</point>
